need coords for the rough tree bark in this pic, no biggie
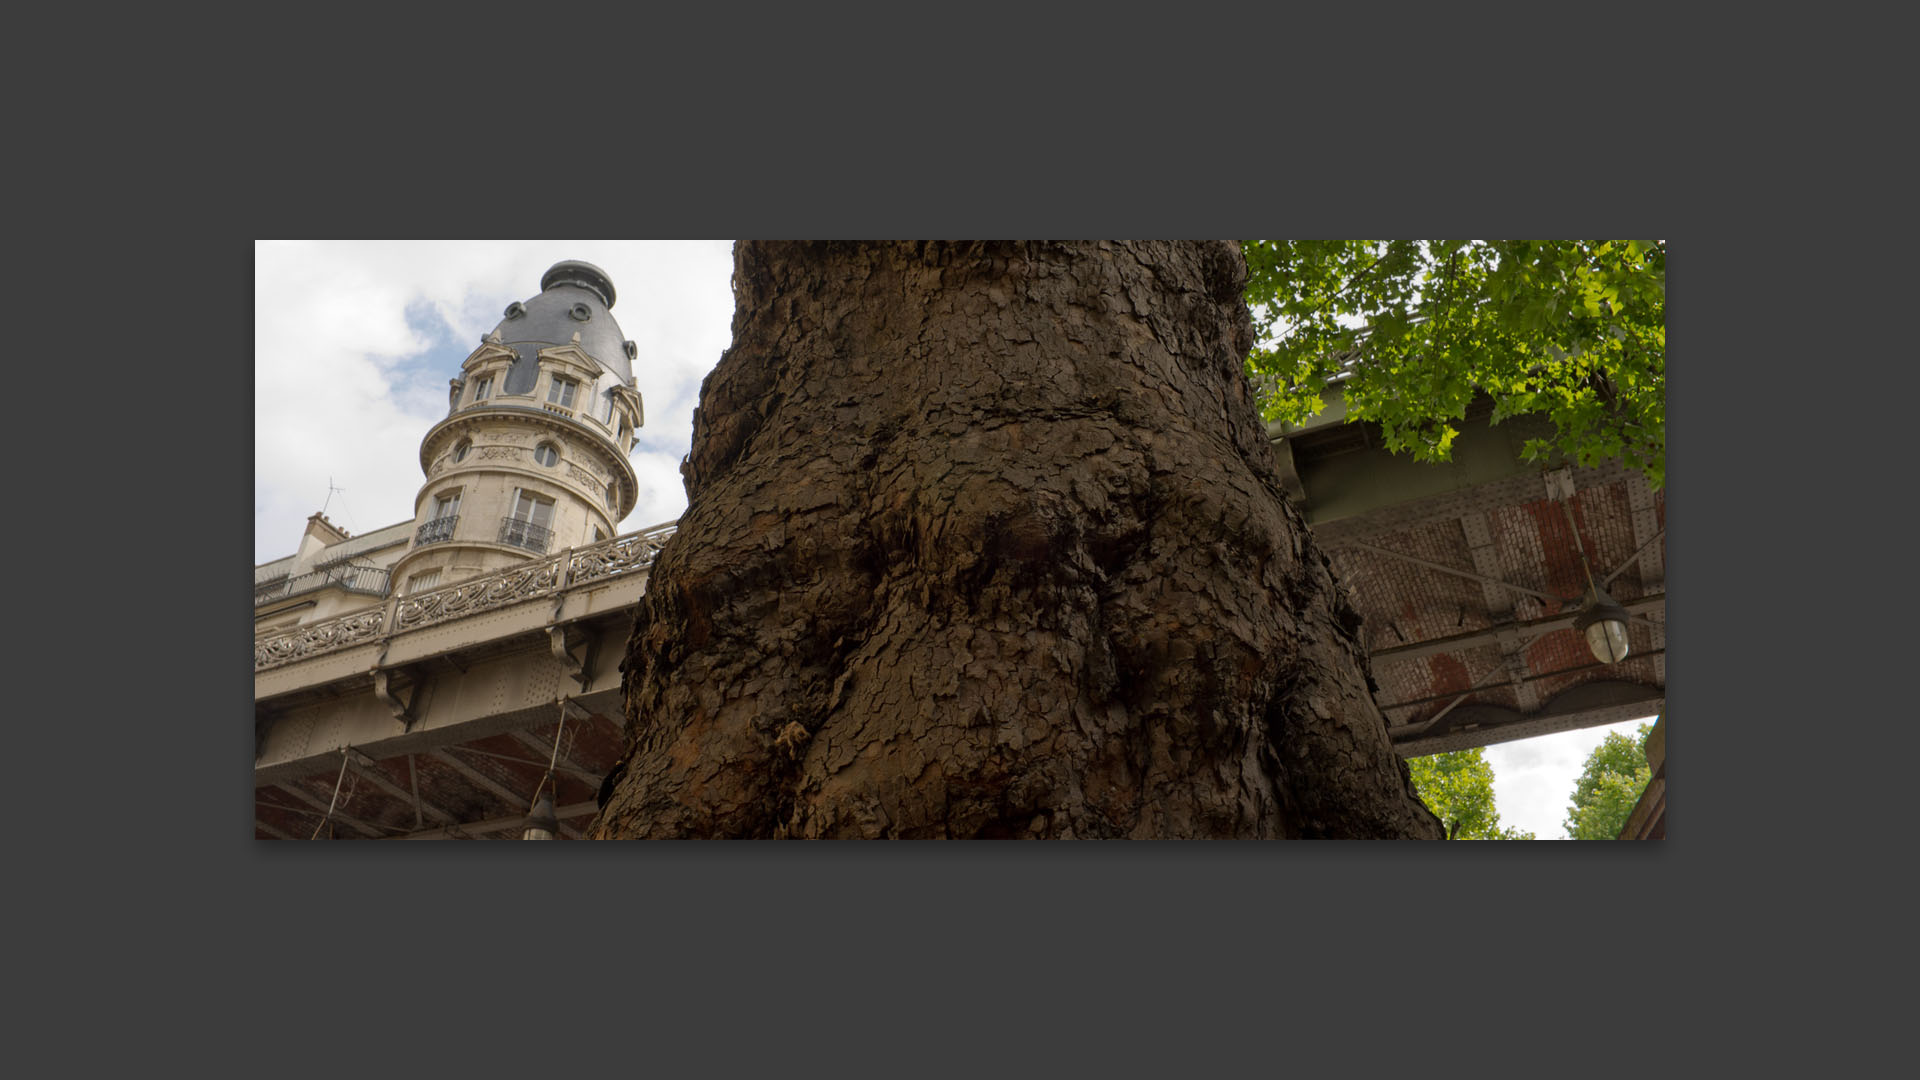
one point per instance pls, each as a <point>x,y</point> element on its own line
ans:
<point>987,540</point>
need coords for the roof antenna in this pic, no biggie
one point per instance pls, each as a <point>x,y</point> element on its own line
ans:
<point>331,491</point>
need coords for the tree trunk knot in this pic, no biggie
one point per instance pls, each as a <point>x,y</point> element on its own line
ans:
<point>792,740</point>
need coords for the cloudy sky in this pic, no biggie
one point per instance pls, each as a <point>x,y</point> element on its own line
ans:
<point>354,343</point>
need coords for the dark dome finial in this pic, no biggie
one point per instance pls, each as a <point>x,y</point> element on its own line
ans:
<point>582,274</point>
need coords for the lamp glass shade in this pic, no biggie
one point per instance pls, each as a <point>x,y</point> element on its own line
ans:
<point>1608,640</point>
<point>541,823</point>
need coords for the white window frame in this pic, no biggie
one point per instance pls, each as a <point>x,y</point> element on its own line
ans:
<point>560,391</point>
<point>482,388</point>
<point>534,500</point>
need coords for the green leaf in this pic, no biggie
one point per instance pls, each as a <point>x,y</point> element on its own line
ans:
<point>1533,324</point>
<point>1609,786</point>
<point>1458,788</point>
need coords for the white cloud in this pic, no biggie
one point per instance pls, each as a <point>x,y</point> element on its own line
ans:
<point>663,497</point>
<point>354,343</point>
<point>1533,778</point>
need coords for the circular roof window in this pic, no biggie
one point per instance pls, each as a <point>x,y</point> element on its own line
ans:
<point>580,312</point>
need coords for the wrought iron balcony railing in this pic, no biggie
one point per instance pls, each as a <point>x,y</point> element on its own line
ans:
<point>437,530</point>
<point>525,534</point>
<point>360,579</point>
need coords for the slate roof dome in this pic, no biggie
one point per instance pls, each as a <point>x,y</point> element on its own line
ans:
<point>583,274</point>
<point>575,297</point>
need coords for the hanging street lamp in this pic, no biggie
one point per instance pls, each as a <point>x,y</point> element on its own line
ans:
<point>1604,623</point>
<point>540,823</point>
<point>1601,620</point>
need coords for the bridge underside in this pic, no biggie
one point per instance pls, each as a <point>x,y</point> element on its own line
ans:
<point>1468,576</point>
<point>459,749</point>
<point>439,714</point>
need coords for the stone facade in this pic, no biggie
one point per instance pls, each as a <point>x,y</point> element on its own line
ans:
<point>530,460</point>
<point>406,680</point>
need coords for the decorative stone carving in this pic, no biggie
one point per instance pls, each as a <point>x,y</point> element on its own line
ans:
<point>497,452</point>
<point>581,474</point>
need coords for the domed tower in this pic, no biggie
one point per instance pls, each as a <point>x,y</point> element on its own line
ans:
<point>532,457</point>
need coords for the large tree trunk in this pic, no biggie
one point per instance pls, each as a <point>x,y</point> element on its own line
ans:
<point>987,540</point>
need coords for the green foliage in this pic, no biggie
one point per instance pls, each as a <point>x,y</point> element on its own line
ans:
<point>1458,788</point>
<point>1609,786</point>
<point>1575,331</point>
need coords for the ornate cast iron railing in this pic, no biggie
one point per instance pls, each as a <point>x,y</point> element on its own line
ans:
<point>542,577</point>
<point>437,530</point>
<point>525,534</point>
<point>621,555</point>
<point>523,582</point>
<point>318,638</point>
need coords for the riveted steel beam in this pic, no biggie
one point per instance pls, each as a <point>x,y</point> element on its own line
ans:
<point>500,824</point>
<point>1477,638</point>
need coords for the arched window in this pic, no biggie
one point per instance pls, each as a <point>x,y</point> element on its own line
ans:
<point>460,451</point>
<point>545,454</point>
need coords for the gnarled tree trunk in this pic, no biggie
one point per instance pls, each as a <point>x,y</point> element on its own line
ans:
<point>987,540</point>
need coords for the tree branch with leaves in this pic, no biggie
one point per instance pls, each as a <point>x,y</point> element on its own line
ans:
<point>1604,796</point>
<point>1412,331</point>
<point>1458,788</point>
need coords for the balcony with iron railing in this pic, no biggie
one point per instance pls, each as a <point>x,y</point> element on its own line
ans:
<point>435,531</point>
<point>367,580</point>
<point>525,534</point>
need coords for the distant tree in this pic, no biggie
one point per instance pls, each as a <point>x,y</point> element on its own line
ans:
<point>1608,788</point>
<point>1458,788</point>
<point>1573,330</point>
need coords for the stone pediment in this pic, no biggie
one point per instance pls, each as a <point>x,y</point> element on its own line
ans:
<point>485,357</point>
<point>631,396</point>
<point>572,356</point>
